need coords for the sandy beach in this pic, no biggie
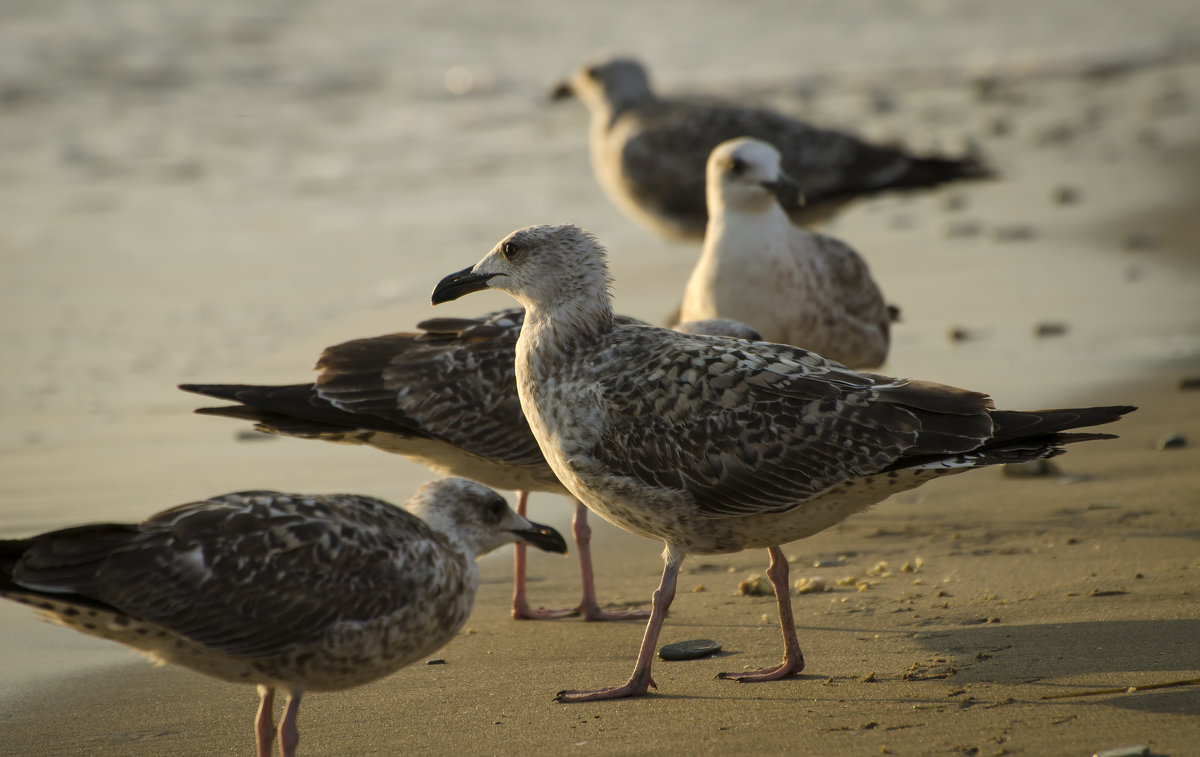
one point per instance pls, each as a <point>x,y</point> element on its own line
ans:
<point>215,193</point>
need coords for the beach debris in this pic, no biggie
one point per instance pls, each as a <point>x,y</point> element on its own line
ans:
<point>1124,751</point>
<point>960,334</point>
<point>963,228</point>
<point>847,581</point>
<point>1188,383</point>
<point>868,678</point>
<point>1030,469</point>
<point>1141,240</point>
<point>811,585</point>
<point>1065,195</point>
<point>253,435</point>
<point>1015,232</point>
<point>832,562</point>
<point>955,201</point>
<point>1172,441</point>
<point>756,585</point>
<point>435,661</point>
<point>698,588</point>
<point>1050,328</point>
<point>880,569</point>
<point>999,127</point>
<point>689,650</point>
<point>1125,689</point>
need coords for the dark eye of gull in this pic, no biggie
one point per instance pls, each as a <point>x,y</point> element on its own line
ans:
<point>511,250</point>
<point>496,509</point>
<point>737,166</point>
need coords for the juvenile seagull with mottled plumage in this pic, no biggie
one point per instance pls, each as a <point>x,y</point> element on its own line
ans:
<point>446,397</point>
<point>791,285</point>
<point>648,153</point>
<point>713,445</point>
<point>287,591</point>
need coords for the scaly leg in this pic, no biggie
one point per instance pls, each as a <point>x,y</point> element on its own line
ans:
<point>289,733</point>
<point>793,660</point>
<point>521,609</point>
<point>589,607</point>
<point>640,681</point>
<point>264,727</point>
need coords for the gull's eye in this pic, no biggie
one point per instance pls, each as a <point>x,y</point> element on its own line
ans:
<point>593,72</point>
<point>511,250</point>
<point>496,510</point>
<point>737,166</point>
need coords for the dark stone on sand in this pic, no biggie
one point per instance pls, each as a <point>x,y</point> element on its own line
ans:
<point>1049,328</point>
<point>1172,441</point>
<point>1015,232</point>
<point>1066,195</point>
<point>689,650</point>
<point>1141,240</point>
<point>1187,383</point>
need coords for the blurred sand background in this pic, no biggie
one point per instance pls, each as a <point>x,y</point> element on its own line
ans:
<point>215,191</point>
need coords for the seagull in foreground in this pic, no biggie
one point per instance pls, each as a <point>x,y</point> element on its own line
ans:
<point>445,397</point>
<point>713,445</point>
<point>287,591</point>
<point>793,286</point>
<point>649,153</point>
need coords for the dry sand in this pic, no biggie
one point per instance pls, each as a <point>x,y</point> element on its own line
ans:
<point>217,197</point>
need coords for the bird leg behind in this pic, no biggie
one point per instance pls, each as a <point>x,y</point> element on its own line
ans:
<point>588,606</point>
<point>793,660</point>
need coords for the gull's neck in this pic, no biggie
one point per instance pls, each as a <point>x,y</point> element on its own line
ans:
<point>554,333</point>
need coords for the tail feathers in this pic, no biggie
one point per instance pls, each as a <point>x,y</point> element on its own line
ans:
<point>930,172</point>
<point>1009,425</point>
<point>60,569</point>
<point>294,410</point>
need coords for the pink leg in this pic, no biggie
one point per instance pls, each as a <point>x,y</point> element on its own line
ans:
<point>521,609</point>
<point>588,606</point>
<point>289,733</point>
<point>793,660</point>
<point>264,727</point>
<point>640,681</point>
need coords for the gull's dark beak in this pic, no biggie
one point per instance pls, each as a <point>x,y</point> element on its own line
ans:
<point>459,283</point>
<point>787,191</point>
<point>561,91</point>
<point>542,537</point>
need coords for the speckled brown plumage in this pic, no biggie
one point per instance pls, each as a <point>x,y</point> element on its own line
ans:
<point>715,446</point>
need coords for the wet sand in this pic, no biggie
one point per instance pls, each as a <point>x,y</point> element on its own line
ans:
<point>180,231</point>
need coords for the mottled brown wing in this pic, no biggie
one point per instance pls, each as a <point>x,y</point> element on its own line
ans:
<point>455,382</point>
<point>754,428</point>
<point>251,573</point>
<point>859,298</point>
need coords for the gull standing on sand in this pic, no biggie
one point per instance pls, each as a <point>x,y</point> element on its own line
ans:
<point>714,445</point>
<point>445,397</point>
<point>791,285</point>
<point>287,591</point>
<point>649,153</point>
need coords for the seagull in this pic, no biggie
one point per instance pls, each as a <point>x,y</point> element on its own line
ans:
<point>714,445</point>
<point>648,153</point>
<point>292,592</point>
<point>445,397</point>
<point>793,286</point>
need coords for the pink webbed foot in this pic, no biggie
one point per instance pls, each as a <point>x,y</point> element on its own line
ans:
<point>782,670</point>
<point>635,688</point>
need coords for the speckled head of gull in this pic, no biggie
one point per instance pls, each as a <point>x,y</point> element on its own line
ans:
<point>715,445</point>
<point>286,591</point>
<point>792,285</point>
